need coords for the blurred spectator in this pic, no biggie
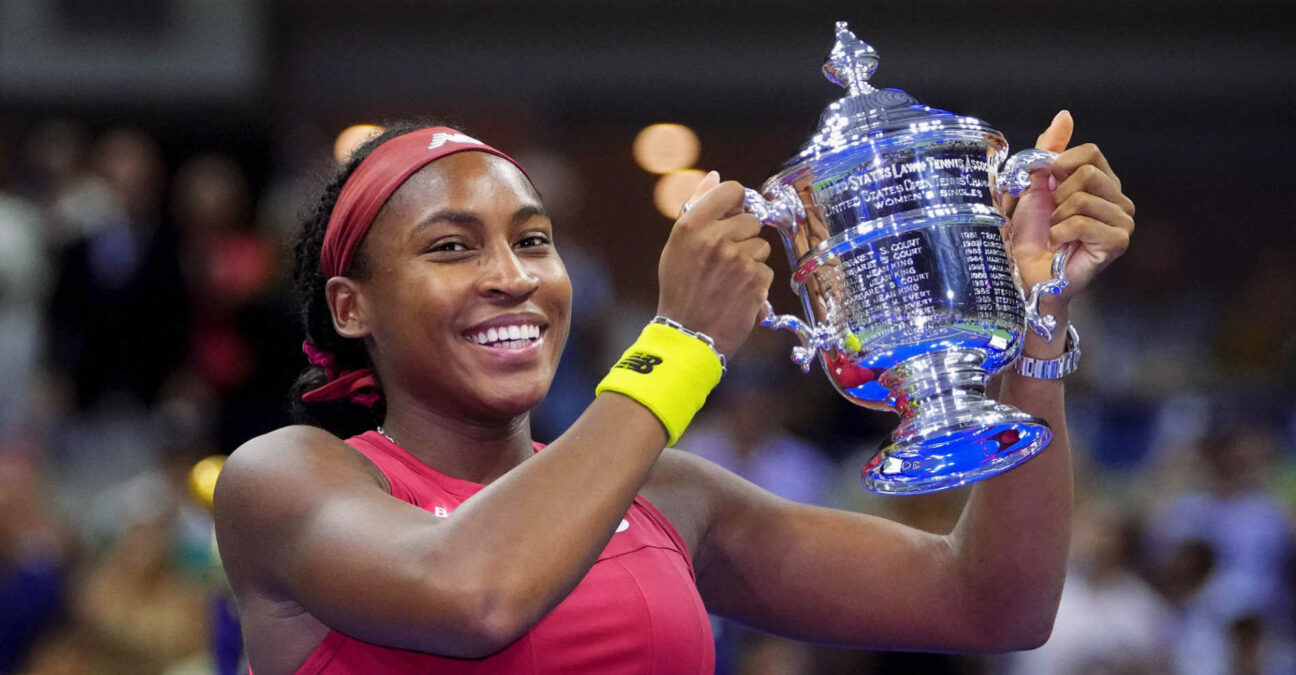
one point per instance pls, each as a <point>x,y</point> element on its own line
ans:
<point>1109,620</point>
<point>58,178</point>
<point>34,559</point>
<point>242,340</point>
<point>23,287</point>
<point>143,615</point>
<point>1252,650</point>
<point>1250,538</point>
<point>118,310</point>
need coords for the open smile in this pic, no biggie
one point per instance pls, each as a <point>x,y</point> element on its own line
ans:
<point>515,336</point>
<point>512,336</point>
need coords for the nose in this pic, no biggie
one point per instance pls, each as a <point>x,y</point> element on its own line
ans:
<point>504,274</point>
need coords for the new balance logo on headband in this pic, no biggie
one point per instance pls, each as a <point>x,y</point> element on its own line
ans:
<point>640,362</point>
<point>440,138</point>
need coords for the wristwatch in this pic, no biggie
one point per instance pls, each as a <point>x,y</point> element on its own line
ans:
<point>1053,369</point>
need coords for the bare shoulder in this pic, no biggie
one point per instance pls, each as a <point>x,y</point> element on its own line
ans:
<point>273,482</point>
<point>297,455</point>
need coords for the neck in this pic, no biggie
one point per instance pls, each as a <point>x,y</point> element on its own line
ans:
<point>468,450</point>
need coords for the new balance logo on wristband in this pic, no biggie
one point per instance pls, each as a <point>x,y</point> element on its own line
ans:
<point>640,362</point>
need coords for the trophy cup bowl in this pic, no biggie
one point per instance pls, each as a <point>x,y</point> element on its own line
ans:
<point>891,221</point>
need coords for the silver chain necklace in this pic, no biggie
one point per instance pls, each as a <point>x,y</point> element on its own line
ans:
<point>388,436</point>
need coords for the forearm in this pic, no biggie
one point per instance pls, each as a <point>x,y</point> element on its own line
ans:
<point>1012,540</point>
<point>532,535</point>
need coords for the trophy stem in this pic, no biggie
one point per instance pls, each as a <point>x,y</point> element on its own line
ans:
<point>950,433</point>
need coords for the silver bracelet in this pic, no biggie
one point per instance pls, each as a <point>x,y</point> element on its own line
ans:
<point>1053,369</point>
<point>667,321</point>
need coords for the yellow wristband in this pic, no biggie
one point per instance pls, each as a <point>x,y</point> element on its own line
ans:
<point>669,373</point>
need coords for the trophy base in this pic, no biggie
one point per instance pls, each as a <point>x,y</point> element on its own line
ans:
<point>950,434</point>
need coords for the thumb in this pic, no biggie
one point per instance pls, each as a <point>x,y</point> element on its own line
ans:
<point>1031,215</point>
<point>704,186</point>
<point>1058,133</point>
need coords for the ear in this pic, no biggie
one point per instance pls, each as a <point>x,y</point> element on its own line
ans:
<point>346,304</point>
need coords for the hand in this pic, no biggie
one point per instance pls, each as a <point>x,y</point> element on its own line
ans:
<point>712,275</point>
<point>1087,208</point>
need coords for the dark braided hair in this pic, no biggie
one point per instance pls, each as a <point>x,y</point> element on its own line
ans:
<point>341,417</point>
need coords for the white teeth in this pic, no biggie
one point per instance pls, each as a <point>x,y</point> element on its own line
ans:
<point>508,337</point>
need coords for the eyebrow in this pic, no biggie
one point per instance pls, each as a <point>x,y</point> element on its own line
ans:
<point>467,218</point>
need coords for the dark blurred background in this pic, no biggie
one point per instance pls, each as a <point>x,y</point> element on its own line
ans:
<point>156,157</point>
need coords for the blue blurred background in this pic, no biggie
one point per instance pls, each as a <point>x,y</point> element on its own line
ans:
<point>156,156</point>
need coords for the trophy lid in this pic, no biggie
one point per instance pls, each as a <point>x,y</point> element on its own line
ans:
<point>867,113</point>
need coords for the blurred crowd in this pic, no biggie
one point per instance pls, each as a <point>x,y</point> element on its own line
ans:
<point>145,324</point>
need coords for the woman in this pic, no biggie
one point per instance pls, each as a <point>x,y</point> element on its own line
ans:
<point>440,540</point>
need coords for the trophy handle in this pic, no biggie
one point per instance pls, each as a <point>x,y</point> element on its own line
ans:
<point>1013,178</point>
<point>1045,324</point>
<point>1015,174</point>
<point>812,339</point>
<point>784,212</point>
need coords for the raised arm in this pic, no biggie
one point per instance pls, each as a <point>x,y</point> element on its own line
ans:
<point>994,582</point>
<point>302,518</point>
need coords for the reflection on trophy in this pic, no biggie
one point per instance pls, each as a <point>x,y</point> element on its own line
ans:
<point>890,220</point>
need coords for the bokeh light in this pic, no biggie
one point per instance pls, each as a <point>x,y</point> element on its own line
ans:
<point>675,187</point>
<point>663,148</point>
<point>202,479</point>
<point>351,138</point>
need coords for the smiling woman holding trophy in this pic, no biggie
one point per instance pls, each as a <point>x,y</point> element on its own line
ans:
<point>437,537</point>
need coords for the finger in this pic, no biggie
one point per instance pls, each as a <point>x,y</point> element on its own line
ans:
<point>1102,242</point>
<point>1058,133</point>
<point>1093,180</point>
<point>1086,154</point>
<point>721,201</point>
<point>755,249</point>
<point>1102,210</point>
<point>741,227</point>
<point>708,183</point>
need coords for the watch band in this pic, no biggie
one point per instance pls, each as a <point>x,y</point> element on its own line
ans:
<point>1053,369</point>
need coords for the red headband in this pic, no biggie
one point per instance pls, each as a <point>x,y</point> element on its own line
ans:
<point>361,198</point>
<point>374,181</point>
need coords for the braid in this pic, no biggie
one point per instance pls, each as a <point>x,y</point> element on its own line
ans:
<point>343,418</point>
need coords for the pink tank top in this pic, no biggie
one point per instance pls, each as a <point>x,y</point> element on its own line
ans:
<point>636,611</point>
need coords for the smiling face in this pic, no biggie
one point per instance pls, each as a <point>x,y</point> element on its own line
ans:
<point>465,306</point>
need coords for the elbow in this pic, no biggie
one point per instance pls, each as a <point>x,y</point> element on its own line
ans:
<point>488,623</point>
<point>1030,635</point>
<point>1016,634</point>
<point>493,630</point>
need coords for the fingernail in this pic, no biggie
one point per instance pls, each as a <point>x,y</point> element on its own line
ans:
<point>713,173</point>
<point>1058,116</point>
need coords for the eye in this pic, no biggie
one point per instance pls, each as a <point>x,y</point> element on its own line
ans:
<point>532,240</point>
<point>447,247</point>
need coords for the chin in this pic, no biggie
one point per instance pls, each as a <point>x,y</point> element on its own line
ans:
<point>514,402</point>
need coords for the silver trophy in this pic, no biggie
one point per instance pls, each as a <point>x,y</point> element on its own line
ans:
<point>891,222</point>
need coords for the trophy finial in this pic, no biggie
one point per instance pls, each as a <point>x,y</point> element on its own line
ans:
<point>851,62</point>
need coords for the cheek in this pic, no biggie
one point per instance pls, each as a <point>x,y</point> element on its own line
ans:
<point>557,291</point>
<point>418,305</point>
